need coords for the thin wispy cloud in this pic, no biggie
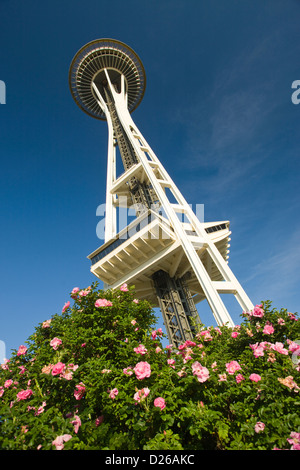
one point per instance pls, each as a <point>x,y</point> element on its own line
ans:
<point>226,122</point>
<point>241,98</point>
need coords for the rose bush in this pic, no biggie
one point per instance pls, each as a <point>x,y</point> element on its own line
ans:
<point>96,376</point>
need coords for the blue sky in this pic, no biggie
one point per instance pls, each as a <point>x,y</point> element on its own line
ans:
<point>217,111</point>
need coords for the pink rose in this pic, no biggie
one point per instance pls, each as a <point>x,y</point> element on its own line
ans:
<point>293,346</point>
<point>75,290</point>
<point>22,350</point>
<point>113,393</point>
<point>200,371</point>
<point>1,391</point>
<point>258,349</point>
<point>99,420</point>
<point>124,288</point>
<point>8,383</point>
<point>78,394</point>
<point>160,403</point>
<point>207,335</point>
<point>103,303</point>
<point>141,394</point>
<point>279,348</point>
<point>77,423</point>
<point>257,311</point>
<point>140,349</point>
<point>67,375</point>
<point>5,366</point>
<point>84,292</point>
<point>232,367</point>
<point>24,394</point>
<point>55,342</point>
<point>234,334</point>
<point>58,368</point>
<point>290,383</point>
<point>222,378</point>
<point>189,344</point>
<point>295,440</point>
<point>135,301</point>
<point>41,409</point>
<point>239,378</point>
<point>142,370</point>
<point>255,377</point>
<point>47,369</point>
<point>182,372</point>
<point>46,324</point>
<point>153,334</point>
<point>59,441</point>
<point>128,371</point>
<point>171,363</point>
<point>268,329</point>
<point>66,306</point>
<point>259,426</point>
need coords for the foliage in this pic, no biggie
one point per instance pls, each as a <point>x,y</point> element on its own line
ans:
<point>98,377</point>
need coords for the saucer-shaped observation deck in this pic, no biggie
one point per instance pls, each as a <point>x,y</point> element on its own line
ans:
<point>88,66</point>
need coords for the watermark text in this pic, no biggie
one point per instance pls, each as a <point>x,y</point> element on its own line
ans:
<point>130,220</point>
<point>296,94</point>
<point>2,92</point>
<point>2,352</point>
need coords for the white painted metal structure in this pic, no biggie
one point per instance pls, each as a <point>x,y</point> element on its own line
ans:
<point>107,80</point>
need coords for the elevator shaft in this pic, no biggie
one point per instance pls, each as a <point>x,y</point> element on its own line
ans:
<point>142,195</point>
<point>177,306</point>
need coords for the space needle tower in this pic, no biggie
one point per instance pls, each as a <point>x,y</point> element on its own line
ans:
<point>172,258</point>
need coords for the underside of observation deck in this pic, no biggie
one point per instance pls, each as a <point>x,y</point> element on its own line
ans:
<point>143,248</point>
